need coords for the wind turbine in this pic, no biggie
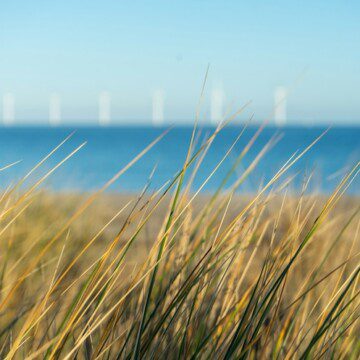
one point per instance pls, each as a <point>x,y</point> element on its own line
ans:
<point>104,108</point>
<point>158,108</point>
<point>217,105</point>
<point>280,110</point>
<point>8,109</point>
<point>55,110</point>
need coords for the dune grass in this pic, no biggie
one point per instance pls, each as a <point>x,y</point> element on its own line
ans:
<point>172,273</point>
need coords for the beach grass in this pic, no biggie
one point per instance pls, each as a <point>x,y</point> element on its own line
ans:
<point>173,273</point>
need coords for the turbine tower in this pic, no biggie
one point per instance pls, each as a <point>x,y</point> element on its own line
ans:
<point>54,110</point>
<point>104,108</point>
<point>280,111</point>
<point>217,106</point>
<point>158,108</point>
<point>8,109</point>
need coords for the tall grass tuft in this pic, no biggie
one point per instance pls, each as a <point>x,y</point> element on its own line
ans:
<point>173,273</point>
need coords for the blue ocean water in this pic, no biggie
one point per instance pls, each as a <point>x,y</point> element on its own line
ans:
<point>108,149</point>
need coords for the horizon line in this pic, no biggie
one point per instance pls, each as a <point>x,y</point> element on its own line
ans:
<point>149,124</point>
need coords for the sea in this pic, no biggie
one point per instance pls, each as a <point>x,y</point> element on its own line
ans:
<point>107,150</point>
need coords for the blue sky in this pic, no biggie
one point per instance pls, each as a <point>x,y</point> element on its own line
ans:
<point>133,48</point>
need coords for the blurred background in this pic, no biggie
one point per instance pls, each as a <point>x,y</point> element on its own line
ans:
<point>121,72</point>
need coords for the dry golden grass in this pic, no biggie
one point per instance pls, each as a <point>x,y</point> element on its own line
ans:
<point>173,274</point>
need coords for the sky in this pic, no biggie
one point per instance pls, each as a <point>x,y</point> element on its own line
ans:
<point>77,51</point>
